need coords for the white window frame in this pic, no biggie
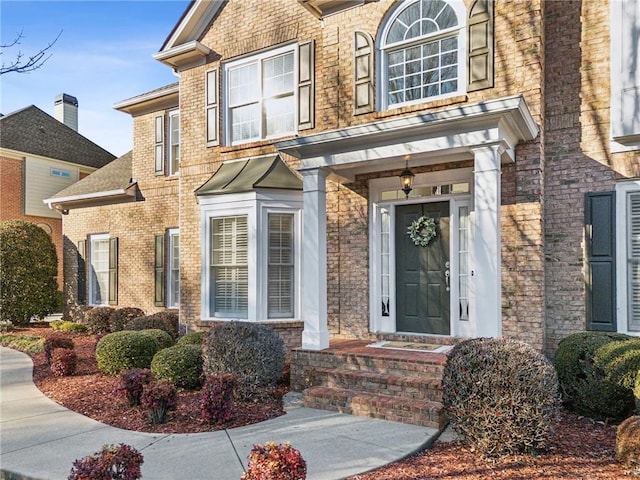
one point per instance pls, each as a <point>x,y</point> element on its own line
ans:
<point>172,235</point>
<point>257,207</point>
<point>173,167</point>
<point>384,49</point>
<point>623,192</point>
<point>258,60</point>
<point>103,237</point>
<point>387,324</point>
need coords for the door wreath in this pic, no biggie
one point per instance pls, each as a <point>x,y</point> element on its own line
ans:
<point>422,231</point>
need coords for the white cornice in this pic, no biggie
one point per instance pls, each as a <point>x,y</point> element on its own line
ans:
<point>155,100</point>
<point>185,55</point>
<point>92,199</point>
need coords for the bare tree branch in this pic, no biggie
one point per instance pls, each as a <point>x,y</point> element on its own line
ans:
<point>22,63</point>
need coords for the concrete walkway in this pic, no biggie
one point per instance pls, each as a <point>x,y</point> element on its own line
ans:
<point>40,439</point>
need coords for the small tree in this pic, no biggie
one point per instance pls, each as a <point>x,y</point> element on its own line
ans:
<point>29,266</point>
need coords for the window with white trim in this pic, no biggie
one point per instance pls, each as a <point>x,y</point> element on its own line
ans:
<point>280,265</point>
<point>99,269</point>
<point>423,52</point>
<point>173,273</point>
<point>174,142</point>
<point>261,96</point>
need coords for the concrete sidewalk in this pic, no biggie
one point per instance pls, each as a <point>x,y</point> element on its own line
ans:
<point>40,439</point>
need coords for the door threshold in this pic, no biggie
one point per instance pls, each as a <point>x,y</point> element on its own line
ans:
<point>416,346</point>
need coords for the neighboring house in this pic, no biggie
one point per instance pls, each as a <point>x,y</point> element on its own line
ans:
<point>40,155</point>
<point>268,181</point>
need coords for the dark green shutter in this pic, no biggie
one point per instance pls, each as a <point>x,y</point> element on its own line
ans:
<point>480,43</point>
<point>159,271</point>
<point>600,235</point>
<point>113,271</point>
<point>82,272</point>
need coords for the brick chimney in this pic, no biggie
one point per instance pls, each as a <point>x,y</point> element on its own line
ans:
<point>66,110</point>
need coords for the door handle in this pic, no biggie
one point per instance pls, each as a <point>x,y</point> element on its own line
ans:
<point>446,278</point>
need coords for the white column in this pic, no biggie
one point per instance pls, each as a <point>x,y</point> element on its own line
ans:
<point>315,335</point>
<point>487,281</point>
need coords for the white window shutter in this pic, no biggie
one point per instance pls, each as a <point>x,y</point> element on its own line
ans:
<point>211,107</point>
<point>159,144</point>
<point>634,262</point>
<point>306,100</point>
<point>363,76</point>
<point>480,46</point>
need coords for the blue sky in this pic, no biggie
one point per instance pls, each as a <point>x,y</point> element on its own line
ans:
<point>103,56</point>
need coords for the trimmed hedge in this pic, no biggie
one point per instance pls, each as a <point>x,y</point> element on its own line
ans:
<point>584,387</point>
<point>67,326</point>
<point>167,321</point>
<point>121,316</point>
<point>125,350</point>
<point>193,338</point>
<point>98,319</point>
<point>619,361</point>
<point>180,364</point>
<point>162,337</point>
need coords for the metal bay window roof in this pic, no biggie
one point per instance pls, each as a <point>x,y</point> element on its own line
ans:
<point>251,174</point>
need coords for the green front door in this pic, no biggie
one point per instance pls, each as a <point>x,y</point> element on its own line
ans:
<point>422,273</point>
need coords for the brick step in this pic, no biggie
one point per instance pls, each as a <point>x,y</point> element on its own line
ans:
<point>383,407</point>
<point>410,388</point>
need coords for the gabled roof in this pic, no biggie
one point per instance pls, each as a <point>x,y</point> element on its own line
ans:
<point>32,131</point>
<point>110,184</point>
<point>158,99</point>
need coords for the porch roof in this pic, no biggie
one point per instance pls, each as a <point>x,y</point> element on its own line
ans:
<point>250,174</point>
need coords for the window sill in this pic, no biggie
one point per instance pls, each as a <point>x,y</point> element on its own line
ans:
<point>443,102</point>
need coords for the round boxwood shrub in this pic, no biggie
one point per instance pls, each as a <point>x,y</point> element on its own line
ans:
<point>56,341</point>
<point>28,286</point>
<point>125,350</point>
<point>619,361</point>
<point>255,352</point>
<point>167,321</point>
<point>193,338</point>
<point>180,364</point>
<point>584,387</point>
<point>121,316</point>
<point>162,337</point>
<point>98,320</point>
<point>500,395</point>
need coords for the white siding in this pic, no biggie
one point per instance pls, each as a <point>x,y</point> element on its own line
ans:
<point>43,179</point>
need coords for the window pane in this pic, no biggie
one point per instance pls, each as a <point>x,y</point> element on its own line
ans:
<point>99,271</point>
<point>174,270</point>
<point>229,267</point>
<point>245,122</point>
<point>243,84</point>
<point>279,115</point>
<point>277,75</point>
<point>280,273</point>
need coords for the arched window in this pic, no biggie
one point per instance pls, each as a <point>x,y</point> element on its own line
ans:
<point>422,52</point>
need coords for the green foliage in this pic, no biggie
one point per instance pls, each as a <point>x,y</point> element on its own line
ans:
<point>67,326</point>
<point>619,361</point>
<point>63,362</point>
<point>180,364</point>
<point>255,352</point>
<point>167,321</point>
<point>98,319</point>
<point>273,461</point>
<point>500,395</point>
<point>29,267</point>
<point>56,341</point>
<point>162,337</point>
<point>193,338</point>
<point>584,387</point>
<point>628,443</point>
<point>216,397</point>
<point>24,343</point>
<point>125,350</point>
<point>121,316</point>
<point>113,462</point>
<point>159,398</point>
<point>6,325</point>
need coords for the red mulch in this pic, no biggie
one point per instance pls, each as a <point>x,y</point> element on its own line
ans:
<point>580,449</point>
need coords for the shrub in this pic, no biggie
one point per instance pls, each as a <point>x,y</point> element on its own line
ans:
<point>132,383</point>
<point>619,361</point>
<point>159,398</point>
<point>63,362</point>
<point>125,350</point>
<point>216,397</point>
<point>113,462</point>
<point>56,341</point>
<point>167,321</point>
<point>180,364</point>
<point>584,388</point>
<point>6,325</point>
<point>628,443</point>
<point>255,352</point>
<point>29,268</point>
<point>67,326</point>
<point>162,337</point>
<point>121,316</point>
<point>500,395</point>
<point>98,319</point>
<point>24,343</point>
<point>273,461</point>
<point>193,338</point>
